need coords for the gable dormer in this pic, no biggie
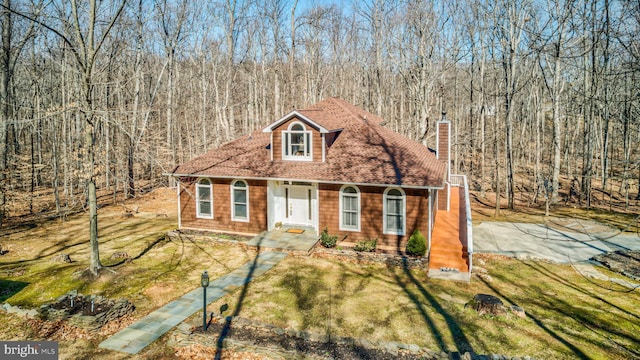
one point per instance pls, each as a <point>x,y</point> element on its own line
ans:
<point>295,137</point>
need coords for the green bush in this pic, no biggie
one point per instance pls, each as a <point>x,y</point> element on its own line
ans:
<point>327,240</point>
<point>417,244</point>
<point>368,245</point>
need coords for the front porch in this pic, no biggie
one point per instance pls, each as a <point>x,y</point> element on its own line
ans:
<point>287,239</point>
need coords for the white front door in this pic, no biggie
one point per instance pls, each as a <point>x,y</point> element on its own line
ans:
<point>299,205</point>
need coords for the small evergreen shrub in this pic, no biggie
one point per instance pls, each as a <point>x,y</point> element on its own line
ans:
<point>327,240</point>
<point>368,245</point>
<point>417,244</point>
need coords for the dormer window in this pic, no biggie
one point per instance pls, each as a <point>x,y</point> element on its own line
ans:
<point>296,143</point>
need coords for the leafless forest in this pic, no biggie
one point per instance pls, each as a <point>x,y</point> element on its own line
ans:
<point>544,95</point>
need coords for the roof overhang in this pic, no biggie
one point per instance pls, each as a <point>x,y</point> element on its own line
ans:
<point>306,180</point>
<point>298,115</point>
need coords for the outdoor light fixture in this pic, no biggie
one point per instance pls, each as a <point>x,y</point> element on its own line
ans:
<point>204,281</point>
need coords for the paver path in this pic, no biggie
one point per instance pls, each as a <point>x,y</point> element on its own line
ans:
<point>138,335</point>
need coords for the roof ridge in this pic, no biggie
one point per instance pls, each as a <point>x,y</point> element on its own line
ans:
<point>335,99</point>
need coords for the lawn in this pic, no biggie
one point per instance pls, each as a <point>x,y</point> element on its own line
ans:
<point>159,270</point>
<point>569,316</point>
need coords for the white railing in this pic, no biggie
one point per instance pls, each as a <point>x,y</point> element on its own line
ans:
<point>456,180</point>
<point>461,180</point>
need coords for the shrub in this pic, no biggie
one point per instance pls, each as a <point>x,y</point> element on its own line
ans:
<point>417,244</point>
<point>327,240</point>
<point>368,245</point>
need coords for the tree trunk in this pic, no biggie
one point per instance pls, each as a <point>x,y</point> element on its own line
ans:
<point>95,265</point>
<point>5,73</point>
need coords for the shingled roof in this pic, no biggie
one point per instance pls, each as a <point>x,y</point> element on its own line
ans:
<point>365,152</point>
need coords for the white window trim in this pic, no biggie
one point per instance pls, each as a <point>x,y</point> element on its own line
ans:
<point>286,138</point>
<point>359,213</point>
<point>384,212</point>
<point>199,185</point>
<point>233,201</point>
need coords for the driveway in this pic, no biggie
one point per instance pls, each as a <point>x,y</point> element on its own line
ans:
<point>568,243</point>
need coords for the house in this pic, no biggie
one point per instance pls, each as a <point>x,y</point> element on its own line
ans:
<point>331,165</point>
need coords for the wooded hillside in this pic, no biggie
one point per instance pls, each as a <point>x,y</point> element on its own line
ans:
<point>543,95</point>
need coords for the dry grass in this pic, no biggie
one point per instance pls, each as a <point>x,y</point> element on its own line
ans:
<point>618,217</point>
<point>159,270</point>
<point>568,316</point>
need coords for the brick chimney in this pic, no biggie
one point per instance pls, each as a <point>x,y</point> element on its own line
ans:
<point>443,152</point>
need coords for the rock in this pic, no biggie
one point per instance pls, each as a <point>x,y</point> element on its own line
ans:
<point>485,277</point>
<point>486,304</point>
<point>119,255</point>
<point>185,328</point>
<point>466,356</point>
<point>363,343</point>
<point>62,258</point>
<point>480,270</point>
<point>518,311</point>
<point>392,348</point>
<point>479,261</point>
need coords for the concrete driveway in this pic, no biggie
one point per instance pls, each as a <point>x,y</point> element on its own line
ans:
<point>561,244</point>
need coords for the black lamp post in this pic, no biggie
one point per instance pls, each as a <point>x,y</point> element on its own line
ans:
<point>204,281</point>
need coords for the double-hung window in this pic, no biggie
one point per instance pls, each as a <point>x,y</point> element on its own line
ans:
<point>204,199</point>
<point>239,201</point>
<point>349,208</point>
<point>394,211</point>
<point>296,142</point>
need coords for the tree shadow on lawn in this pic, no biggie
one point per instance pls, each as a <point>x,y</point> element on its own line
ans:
<point>589,321</point>
<point>461,341</point>
<point>550,274</point>
<point>144,251</point>
<point>9,288</point>
<point>226,328</point>
<point>540,324</point>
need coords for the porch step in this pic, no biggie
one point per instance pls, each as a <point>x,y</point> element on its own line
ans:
<point>449,275</point>
<point>444,261</point>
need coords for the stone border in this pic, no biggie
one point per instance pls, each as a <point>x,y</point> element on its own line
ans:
<point>318,251</point>
<point>360,257</point>
<point>186,335</point>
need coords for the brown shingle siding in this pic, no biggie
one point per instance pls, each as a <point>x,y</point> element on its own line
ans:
<point>222,207</point>
<point>371,215</point>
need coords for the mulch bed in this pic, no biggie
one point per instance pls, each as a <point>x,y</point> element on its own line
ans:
<point>290,343</point>
<point>626,263</point>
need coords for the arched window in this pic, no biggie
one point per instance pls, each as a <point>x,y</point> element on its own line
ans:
<point>239,201</point>
<point>296,142</point>
<point>349,208</point>
<point>204,199</point>
<point>394,211</point>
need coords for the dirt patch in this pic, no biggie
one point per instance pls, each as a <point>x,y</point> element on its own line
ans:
<point>626,263</point>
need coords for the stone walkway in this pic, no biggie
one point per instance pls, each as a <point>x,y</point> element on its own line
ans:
<point>281,240</point>
<point>138,335</point>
